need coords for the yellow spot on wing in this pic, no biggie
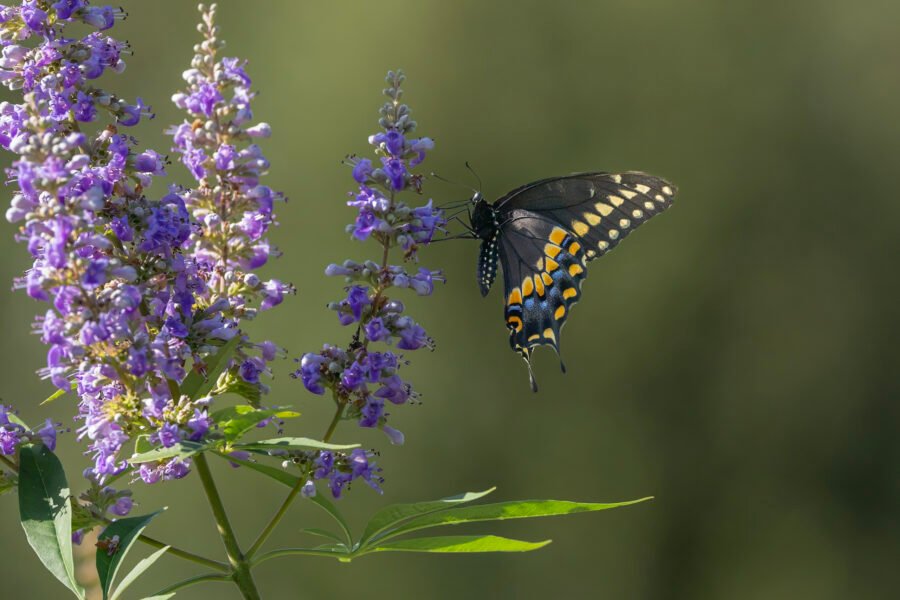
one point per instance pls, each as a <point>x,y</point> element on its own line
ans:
<point>574,247</point>
<point>613,234</point>
<point>533,338</point>
<point>560,313</point>
<point>667,190</point>
<point>616,178</point>
<point>516,322</point>
<point>548,334</point>
<point>515,296</point>
<point>592,219</point>
<point>628,194</point>
<point>603,208</point>
<point>539,285</point>
<point>616,201</point>
<point>539,265</point>
<point>527,287</point>
<point>547,279</point>
<point>642,188</point>
<point>575,270</point>
<point>580,227</point>
<point>569,293</point>
<point>551,265</point>
<point>557,235</point>
<point>551,250</point>
<point>603,245</point>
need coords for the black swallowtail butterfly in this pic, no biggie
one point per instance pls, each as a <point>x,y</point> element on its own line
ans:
<point>545,232</point>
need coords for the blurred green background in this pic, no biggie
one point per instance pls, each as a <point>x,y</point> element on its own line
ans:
<point>736,358</point>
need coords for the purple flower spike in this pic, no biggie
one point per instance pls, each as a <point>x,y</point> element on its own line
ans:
<point>361,376</point>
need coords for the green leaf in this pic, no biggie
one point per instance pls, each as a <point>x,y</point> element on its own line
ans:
<point>15,419</point>
<point>182,450</point>
<point>279,475</point>
<point>459,544</point>
<point>290,481</point>
<point>325,534</point>
<point>59,394</point>
<point>195,386</point>
<point>393,515</point>
<point>142,444</point>
<point>519,509</point>
<point>329,507</point>
<point>235,421</point>
<point>137,571</point>
<point>161,596</point>
<point>293,444</point>
<point>45,511</point>
<point>109,558</point>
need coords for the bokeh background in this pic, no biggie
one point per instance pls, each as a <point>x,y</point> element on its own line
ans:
<point>736,358</point>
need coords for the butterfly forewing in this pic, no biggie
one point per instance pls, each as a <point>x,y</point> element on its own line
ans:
<point>600,208</point>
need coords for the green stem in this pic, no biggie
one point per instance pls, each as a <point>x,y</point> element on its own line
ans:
<point>273,522</point>
<point>334,421</point>
<point>9,463</point>
<point>184,554</point>
<point>240,567</point>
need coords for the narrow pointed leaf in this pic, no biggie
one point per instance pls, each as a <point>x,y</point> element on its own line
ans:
<point>13,417</point>
<point>196,385</point>
<point>279,475</point>
<point>393,515</point>
<point>161,596</point>
<point>287,443</point>
<point>109,557</point>
<point>45,511</point>
<point>181,450</point>
<point>57,394</point>
<point>519,509</point>
<point>329,507</point>
<point>323,533</point>
<point>137,571</point>
<point>235,421</point>
<point>451,544</point>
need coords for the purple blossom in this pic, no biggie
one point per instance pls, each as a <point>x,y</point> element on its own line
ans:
<point>140,281</point>
<point>122,506</point>
<point>362,378</point>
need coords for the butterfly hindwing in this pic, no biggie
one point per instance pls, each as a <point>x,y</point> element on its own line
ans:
<point>543,267</point>
<point>548,230</point>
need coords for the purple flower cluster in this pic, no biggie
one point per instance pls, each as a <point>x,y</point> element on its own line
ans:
<point>231,210</point>
<point>14,433</point>
<point>362,378</point>
<point>337,468</point>
<point>140,289</point>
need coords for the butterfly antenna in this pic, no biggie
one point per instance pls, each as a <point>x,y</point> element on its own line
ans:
<point>469,167</point>
<point>451,182</point>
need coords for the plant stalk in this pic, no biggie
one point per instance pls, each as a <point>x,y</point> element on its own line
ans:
<point>240,567</point>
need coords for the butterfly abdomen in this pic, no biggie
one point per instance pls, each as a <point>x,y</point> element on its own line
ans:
<point>487,262</point>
